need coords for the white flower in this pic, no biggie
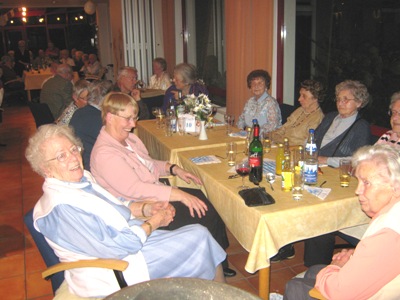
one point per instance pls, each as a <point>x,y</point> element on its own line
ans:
<point>200,105</point>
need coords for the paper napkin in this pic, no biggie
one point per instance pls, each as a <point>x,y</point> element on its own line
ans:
<point>204,160</point>
<point>241,134</point>
<point>321,193</point>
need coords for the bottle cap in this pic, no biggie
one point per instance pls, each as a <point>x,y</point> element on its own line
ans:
<point>311,130</point>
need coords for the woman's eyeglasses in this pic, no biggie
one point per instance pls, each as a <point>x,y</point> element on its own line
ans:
<point>63,156</point>
<point>343,100</point>
<point>393,113</point>
<point>133,119</point>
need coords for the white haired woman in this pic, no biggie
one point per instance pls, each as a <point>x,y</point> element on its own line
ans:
<point>81,220</point>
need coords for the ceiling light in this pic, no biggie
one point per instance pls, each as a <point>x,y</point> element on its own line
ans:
<point>89,7</point>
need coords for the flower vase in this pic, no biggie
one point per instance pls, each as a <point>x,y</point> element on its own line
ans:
<point>203,133</point>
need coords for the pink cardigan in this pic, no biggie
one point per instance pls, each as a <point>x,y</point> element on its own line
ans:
<point>120,172</point>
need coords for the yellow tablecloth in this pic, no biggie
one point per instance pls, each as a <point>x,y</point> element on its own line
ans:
<point>263,230</point>
<point>166,148</point>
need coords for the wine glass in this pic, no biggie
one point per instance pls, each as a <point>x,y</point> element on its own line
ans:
<point>140,84</point>
<point>210,117</point>
<point>158,113</point>
<point>243,169</point>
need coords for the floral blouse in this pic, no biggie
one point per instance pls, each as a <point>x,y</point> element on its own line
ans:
<point>266,110</point>
<point>67,114</point>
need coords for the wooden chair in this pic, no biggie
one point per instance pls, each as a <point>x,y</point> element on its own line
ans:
<point>316,294</point>
<point>55,269</point>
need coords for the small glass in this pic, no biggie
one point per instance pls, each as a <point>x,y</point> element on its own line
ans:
<point>267,142</point>
<point>231,149</point>
<point>344,172</point>
<point>298,184</point>
<point>229,121</point>
<point>181,125</point>
<point>167,127</point>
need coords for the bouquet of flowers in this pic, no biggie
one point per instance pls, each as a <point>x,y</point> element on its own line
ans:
<point>200,105</point>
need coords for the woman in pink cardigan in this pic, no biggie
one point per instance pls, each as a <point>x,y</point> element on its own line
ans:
<point>121,164</point>
<point>372,269</point>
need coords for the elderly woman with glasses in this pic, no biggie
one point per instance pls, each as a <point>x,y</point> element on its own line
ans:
<point>81,220</point>
<point>80,95</point>
<point>261,106</point>
<point>341,133</point>
<point>372,269</point>
<point>121,164</point>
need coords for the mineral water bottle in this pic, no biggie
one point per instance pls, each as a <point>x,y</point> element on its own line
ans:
<point>310,168</point>
<point>256,155</point>
<point>170,114</point>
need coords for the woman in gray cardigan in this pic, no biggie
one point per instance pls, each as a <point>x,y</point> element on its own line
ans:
<point>343,132</point>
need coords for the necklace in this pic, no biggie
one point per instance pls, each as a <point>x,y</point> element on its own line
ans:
<point>303,116</point>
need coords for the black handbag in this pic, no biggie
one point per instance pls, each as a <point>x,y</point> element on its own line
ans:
<point>256,197</point>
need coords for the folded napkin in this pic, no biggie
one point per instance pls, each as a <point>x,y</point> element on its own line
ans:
<point>204,160</point>
<point>321,193</point>
<point>269,166</point>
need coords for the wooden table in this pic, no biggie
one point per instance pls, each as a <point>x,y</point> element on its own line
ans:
<point>33,80</point>
<point>263,230</point>
<point>162,147</point>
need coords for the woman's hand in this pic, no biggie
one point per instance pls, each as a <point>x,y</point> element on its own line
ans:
<point>192,202</point>
<point>186,176</point>
<point>161,218</point>
<point>151,208</point>
<point>341,258</point>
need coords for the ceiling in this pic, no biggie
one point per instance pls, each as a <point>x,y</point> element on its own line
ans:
<point>45,3</point>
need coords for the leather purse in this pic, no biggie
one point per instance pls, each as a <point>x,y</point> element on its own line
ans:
<point>256,196</point>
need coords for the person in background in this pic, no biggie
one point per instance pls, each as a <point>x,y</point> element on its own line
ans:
<point>57,91</point>
<point>11,80</point>
<point>41,61</point>
<point>93,66</point>
<point>65,59</point>
<point>308,115</point>
<point>160,78</point>
<point>81,220</point>
<point>372,269</point>
<point>121,164</point>
<point>52,51</point>
<point>392,137</point>
<point>261,105</point>
<point>87,121</point>
<point>22,58</point>
<point>185,80</point>
<point>78,61</point>
<point>80,94</point>
<point>126,83</point>
<point>53,70</point>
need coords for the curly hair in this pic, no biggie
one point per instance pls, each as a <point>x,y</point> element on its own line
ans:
<point>259,74</point>
<point>358,90</point>
<point>314,87</point>
<point>36,153</point>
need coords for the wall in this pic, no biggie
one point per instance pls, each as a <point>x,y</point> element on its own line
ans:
<point>117,38</point>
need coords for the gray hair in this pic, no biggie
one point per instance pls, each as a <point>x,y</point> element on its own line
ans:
<point>395,97</point>
<point>80,86</point>
<point>35,152</point>
<point>187,71</point>
<point>6,58</point>
<point>98,90</point>
<point>124,71</point>
<point>64,69</point>
<point>358,90</point>
<point>386,157</point>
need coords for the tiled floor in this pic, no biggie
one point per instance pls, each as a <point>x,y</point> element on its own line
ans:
<point>20,262</point>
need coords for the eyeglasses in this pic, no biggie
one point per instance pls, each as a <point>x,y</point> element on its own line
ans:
<point>393,113</point>
<point>131,78</point>
<point>133,119</point>
<point>344,100</point>
<point>63,156</point>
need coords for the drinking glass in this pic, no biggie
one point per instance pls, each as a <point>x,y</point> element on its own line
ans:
<point>181,125</point>
<point>267,142</point>
<point>231,149</point>
<point>243,169</point>
<point>210,118</point>
<point>229,121</point>
<point>344,172</point>
<point>158,113</point>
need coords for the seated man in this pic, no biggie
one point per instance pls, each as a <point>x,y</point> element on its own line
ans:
<point>11,82</point>
<point>92,67</point>
<point>126,83</point>
<point>57,91</point>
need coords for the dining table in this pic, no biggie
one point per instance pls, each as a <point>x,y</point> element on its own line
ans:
<point>263,230</point>
<point>34,79</point>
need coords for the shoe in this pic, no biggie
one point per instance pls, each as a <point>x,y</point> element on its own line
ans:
<point>286,252</point>
<point>229,272</point>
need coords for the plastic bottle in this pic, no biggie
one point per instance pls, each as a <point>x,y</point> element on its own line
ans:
<point>280,157</point>
<point>256,155</point>
<point>170,114</point>
<point>310,168</point>
<point>287,175</point>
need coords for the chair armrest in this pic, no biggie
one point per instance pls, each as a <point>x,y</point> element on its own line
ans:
<point>114,264</point>
<point>316,294</point>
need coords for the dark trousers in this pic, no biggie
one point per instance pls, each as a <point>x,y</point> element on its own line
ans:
<point>211,220</point>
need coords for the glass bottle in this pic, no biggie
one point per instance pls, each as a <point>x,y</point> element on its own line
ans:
<point>287,175</point>
<point>286,148</point>
<point>297,189</point>
<point>170,114</point>
<point>280,157</point>
<point>310,168</point>
<point>249,137</point>
<point>256,155</point>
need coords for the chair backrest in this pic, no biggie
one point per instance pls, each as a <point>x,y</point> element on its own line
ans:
<point>45,250</point>
<point>41,113</point>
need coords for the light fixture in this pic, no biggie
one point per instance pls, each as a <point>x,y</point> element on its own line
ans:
<point>24,19</point>
<point>89,7</point>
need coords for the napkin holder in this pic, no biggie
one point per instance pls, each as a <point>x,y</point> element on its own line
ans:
<point>256,196</point>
